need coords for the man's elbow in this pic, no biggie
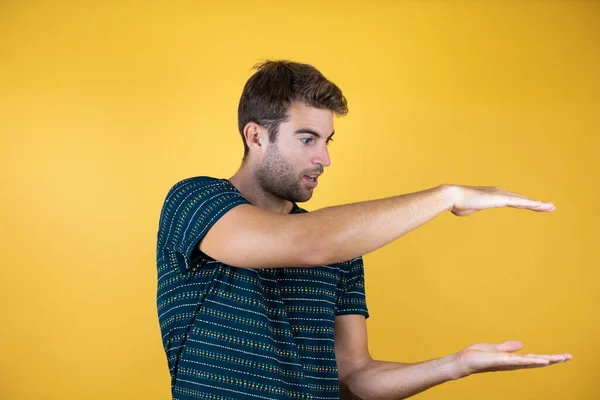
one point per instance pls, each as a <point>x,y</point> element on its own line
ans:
<point>347,394</point>
<point>309,247</point>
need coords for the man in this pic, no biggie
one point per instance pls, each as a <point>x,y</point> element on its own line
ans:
<point>259,299</point>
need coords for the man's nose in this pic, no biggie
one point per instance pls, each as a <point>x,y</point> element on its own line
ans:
<point>322,157</point>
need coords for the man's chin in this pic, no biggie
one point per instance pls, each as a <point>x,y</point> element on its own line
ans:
<point>301,194</point>
<point>306,198</point>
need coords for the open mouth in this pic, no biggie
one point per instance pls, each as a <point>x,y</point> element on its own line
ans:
<point>311,180</point>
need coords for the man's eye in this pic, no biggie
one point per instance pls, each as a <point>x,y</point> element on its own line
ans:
<point>306,140</point>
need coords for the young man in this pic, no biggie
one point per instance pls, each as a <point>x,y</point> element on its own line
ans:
<point>259,299</point>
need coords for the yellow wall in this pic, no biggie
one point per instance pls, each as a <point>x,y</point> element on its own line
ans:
<point>104,106</point>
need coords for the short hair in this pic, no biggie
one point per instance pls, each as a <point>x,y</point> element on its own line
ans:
<point>270,91</point>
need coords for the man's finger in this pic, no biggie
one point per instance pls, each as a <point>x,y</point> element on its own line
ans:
<point>552,357</point>
<point>517,359</point>
<point>523,202</point>
<point>547,207</point>
<point>526,203</point>
<point>510,345</point>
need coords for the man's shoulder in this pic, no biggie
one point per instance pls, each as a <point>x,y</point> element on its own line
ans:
<point>197,184</point>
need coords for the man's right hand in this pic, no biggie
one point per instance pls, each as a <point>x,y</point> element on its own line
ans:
<point>467,200</point>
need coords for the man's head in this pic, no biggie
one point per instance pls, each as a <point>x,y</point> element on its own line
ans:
<point>285,118</point>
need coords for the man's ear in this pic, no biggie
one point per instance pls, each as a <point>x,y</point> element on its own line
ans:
<point>252,134</point>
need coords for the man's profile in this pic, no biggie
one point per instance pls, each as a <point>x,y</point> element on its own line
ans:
<point>260,299</point>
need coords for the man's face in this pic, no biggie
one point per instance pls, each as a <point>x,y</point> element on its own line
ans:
<point>291,165</point>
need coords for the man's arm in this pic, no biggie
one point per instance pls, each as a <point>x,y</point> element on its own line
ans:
<point>250,237</point>
<point>364,378</point>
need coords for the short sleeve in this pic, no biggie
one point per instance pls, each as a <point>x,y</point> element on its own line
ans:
<point>351,291</point>
<point>191,208</point>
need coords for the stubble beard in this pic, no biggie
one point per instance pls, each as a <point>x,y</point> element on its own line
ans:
<point>278,177</point>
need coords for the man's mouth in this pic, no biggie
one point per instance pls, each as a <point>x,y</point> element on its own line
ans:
<point>312,180</point>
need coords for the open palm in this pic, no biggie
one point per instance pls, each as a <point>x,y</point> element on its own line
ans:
<point>486,357</point>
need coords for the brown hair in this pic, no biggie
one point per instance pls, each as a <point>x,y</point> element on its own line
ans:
<point>271,90</point>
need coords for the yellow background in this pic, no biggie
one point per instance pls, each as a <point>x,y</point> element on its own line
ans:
<point>105,105</point>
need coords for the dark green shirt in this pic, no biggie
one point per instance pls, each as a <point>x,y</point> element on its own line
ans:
<point>240,333</point>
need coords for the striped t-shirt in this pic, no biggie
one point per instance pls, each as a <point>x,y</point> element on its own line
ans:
<point>240,333</point>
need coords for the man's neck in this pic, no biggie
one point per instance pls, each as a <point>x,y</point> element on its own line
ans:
<point>244,181</point>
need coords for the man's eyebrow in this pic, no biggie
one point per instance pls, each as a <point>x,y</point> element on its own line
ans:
<point>312,132</point>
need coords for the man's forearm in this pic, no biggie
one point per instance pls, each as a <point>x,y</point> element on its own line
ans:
<point>344,232</point>
<point>391,381</point>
